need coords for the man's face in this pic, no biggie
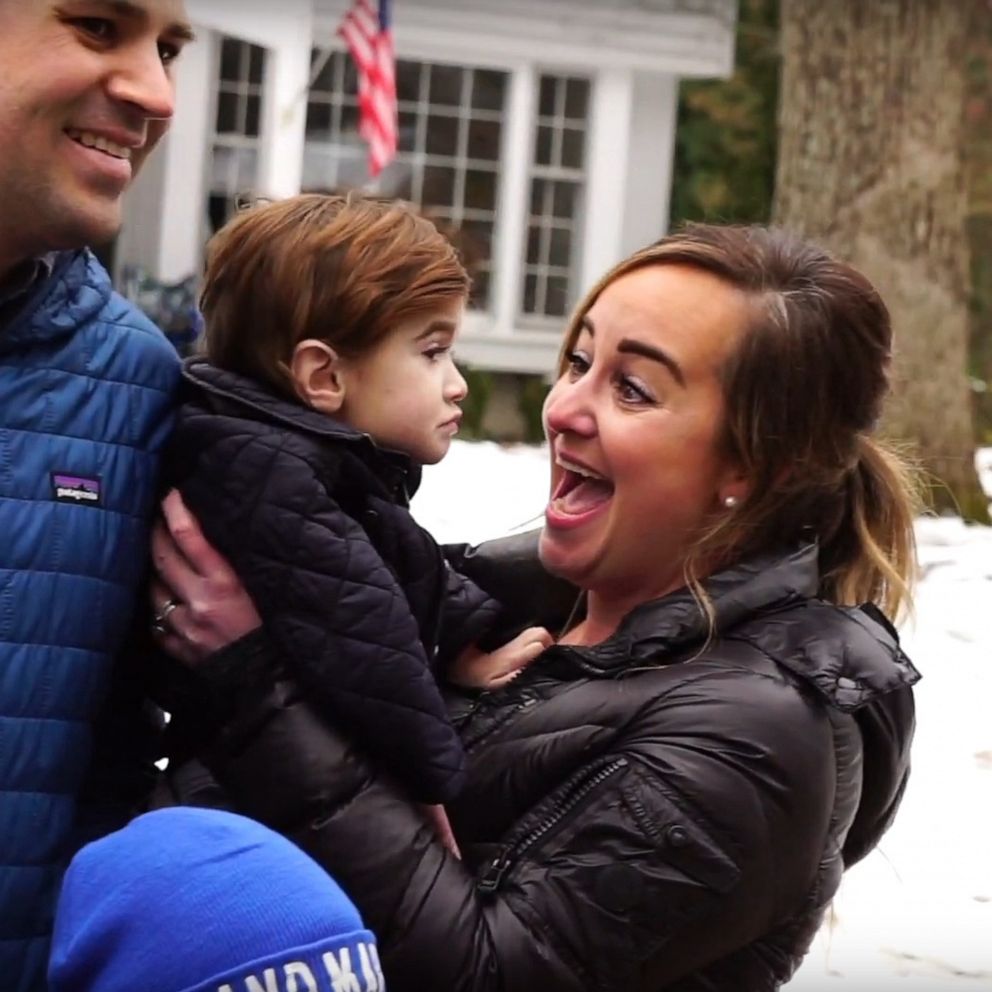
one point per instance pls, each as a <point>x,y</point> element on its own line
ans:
<point>86,92</point>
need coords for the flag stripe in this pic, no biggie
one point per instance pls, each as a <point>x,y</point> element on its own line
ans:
<point>366,31</point>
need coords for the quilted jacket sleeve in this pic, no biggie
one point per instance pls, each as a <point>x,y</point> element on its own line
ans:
<point>470,616</point>
<point>329,602</point>
<point>686,843</point>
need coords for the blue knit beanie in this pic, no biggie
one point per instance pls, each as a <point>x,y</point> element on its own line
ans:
<point>195,900</point>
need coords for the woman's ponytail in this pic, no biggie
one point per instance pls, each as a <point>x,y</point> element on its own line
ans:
<point>872,555</point>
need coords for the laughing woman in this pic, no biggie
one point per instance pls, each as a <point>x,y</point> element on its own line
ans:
<point>667,798</point>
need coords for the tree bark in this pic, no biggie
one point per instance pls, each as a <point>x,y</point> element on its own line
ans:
<point>871,164</point>
<point>978,160</point>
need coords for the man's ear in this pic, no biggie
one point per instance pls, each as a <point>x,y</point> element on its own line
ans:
<point>316,371</point>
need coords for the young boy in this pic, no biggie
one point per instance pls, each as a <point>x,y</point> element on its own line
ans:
<point>328,381</point>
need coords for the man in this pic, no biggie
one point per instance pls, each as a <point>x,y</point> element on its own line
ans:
<point>86,392</point>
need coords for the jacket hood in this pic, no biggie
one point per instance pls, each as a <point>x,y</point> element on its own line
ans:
<point>75,292</point>
<point>252,399</point>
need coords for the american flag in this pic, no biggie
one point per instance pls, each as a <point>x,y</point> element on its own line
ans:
<point>366,31</point>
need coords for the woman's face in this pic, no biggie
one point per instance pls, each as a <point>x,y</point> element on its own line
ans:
<point>633,425</point>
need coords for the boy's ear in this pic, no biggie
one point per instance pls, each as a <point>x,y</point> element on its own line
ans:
<point>316,371</point>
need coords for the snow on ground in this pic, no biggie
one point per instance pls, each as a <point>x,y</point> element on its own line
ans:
<point>916,914</point>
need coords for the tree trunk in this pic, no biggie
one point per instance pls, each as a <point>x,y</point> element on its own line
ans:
<point>871,164</point>
<point>978,147</point>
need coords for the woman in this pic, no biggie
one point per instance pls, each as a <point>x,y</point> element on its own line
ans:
<point>667,798</point>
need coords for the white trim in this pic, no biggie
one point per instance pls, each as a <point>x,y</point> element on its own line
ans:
<point>531,351</point>
<point>284,111</point>
<point>607,172</point>
<point>510,236</point>
<point>581,35</point>
<point>651,154</point>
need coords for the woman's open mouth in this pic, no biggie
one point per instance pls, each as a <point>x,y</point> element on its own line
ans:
<point>579,494</point>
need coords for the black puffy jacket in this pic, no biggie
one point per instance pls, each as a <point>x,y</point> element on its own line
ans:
<point>660,811</point>
<point>313,516</point>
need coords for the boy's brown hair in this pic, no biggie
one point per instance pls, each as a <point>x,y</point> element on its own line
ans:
<point>346,270</point>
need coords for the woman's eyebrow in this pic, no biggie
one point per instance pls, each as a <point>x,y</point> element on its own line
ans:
<point>630,346</point>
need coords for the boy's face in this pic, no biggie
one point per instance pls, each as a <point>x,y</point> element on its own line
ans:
<point>86,92</point>
<point>405,392</point>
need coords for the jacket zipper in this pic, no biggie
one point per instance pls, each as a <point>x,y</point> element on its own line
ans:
<point>470,739</point>
<point>494,875</point>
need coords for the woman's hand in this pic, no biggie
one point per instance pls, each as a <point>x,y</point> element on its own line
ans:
<point>199,602</point>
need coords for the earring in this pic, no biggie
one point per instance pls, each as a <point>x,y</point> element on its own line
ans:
<point>730,502</point>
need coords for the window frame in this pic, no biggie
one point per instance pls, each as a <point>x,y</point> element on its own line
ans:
<point>235,141</point>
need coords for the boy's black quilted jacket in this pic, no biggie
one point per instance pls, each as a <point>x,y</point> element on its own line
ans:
<point>313,517</point>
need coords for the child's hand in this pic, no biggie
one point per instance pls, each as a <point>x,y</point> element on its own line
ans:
<point>438,819</point>
<point>475,669</point>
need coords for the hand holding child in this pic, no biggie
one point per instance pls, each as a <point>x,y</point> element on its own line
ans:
<point>476,669</point>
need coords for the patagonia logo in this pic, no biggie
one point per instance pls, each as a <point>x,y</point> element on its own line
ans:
<point>75,489</point>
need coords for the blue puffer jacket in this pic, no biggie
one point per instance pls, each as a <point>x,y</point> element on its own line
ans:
<point>86,396</point>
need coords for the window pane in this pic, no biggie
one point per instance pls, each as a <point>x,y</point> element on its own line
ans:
<point>442,135</point>
<point>561,246</point>
<point>353,170</point>
<point>223,169</point>
<point>246,160</point>
<point>349,121</point>
<point>219,208</point>
<point>483,140</point>
<point>325,80</point>
<point>439,185</point>
<point>577,99</point>
<point>227,114</point>
<point>253,112</point>
<point>530,294</point>
<point>533,245</point>
<point>544,141</point>
<point>556,300</point>
<point>479,295</point>
<point>446,85</point>
<point>546,101</point>
<point>408,80</point>
<point>230,60</point>
<point>396,180</point>
<point>319,120</point>
<point>563,200</point>
<point>256,63</point>
<point>480,190</point>
<point>408,131</point>
<point>318,168</point>
<point>477,237</point>
<point>488,89</point>
<point>349,83</point>
<point>537,188</point>
<point>571,148</point>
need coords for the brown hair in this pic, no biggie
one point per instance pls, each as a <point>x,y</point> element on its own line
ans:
<point>346,270</point>
<point>803,393</point>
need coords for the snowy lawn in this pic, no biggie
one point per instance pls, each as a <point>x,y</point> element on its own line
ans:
<point>917,913</point>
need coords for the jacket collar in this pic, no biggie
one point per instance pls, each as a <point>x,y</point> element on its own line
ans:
<point>66,291</point>
<point>395,468</point>
<point>849,655</point>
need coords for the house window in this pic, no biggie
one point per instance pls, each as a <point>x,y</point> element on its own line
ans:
<point>237,126</point>
<point>557,177</point>
<point>450,137</point>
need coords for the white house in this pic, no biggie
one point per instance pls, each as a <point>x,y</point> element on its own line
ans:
<point>542,129</point>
